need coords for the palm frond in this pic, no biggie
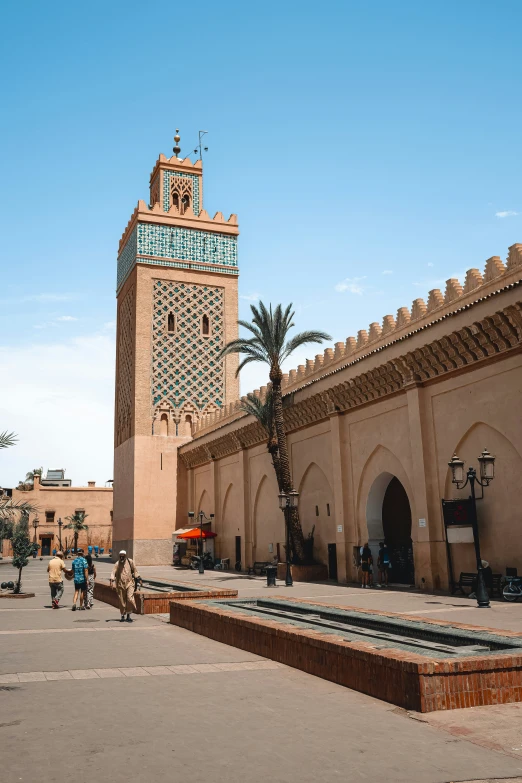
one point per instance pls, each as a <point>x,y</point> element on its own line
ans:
<point>9,507</point>
<point>302,339</point>
<point>7,439</point>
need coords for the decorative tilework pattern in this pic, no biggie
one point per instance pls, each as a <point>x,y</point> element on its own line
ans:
<point>187,244</point>
<point>185,369</point>
<point>183,244</point>
<point>167,177</point>
<point>127,259</point>
<point>125,365</point>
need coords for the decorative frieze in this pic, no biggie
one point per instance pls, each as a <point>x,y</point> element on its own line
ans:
<point>493,335</point>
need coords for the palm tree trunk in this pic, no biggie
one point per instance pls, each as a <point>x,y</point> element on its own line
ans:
<point>296,531</point>
<point>19,582</point>
<point>75,542</point>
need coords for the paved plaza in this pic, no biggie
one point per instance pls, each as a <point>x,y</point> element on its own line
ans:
<point>84,695</point>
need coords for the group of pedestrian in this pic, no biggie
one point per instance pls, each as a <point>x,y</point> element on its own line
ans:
<point>82,571</point>
<point>124,579</point>
<point>383,565</point>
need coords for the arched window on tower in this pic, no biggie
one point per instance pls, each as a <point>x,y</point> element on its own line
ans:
<point>175,199</point>
<point>188,425</point>
<point>171,322</point>
<point>164,424</point>
<point>205,326</point>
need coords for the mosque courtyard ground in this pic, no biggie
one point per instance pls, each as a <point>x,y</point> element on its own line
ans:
<point>84,696</point>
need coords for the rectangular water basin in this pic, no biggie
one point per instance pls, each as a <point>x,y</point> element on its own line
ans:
<point>154,596</point>
<point>417,664</point>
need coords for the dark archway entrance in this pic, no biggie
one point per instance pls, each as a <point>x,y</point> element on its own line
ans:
<point>396,524</point>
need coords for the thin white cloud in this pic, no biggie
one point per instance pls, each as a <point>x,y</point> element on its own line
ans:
<point>110,325</point>
<point>55,321</point>
<point>430,264</point>
<point>388,272</point>
<point>44,297</point>
<point>506,213</point>
<point>250,297</point>
<point>352,285</point>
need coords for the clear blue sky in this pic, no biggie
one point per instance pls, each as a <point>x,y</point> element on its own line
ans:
<point>374,145</point>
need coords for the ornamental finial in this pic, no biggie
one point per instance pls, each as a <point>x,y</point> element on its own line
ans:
<point>176,149</point>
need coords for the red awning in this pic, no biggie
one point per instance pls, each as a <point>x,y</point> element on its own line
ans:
<point>196,533</point>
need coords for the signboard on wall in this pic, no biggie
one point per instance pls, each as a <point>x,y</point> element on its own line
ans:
<point>457,512</point>
<point>459,535</point>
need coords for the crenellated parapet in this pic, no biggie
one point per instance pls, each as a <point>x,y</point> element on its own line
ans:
<point>456,296</point>
<point>155,214</point>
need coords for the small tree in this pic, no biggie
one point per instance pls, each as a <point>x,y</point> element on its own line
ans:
<point>23,549</point>
<point>77,525</point>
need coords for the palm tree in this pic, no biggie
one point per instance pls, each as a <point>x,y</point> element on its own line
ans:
<point>263,411</point>
<point>7,439</point>
<point>8,507</point>
<point>77,525</point>
<point>29,477</point>
<point>269,344</point>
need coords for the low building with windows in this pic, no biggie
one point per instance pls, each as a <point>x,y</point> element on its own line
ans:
<point>56,499</point>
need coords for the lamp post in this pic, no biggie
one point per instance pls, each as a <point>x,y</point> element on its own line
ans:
<point>461,479</point>
<point>36,522</point>
<point>202,518</point>
<point>60,525</point>
<point>288,501</point>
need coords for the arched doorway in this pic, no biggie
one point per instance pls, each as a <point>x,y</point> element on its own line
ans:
<point>388,518</point>
<point>396,524</point>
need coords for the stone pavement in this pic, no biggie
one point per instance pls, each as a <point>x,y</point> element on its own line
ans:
<point>84,696</point>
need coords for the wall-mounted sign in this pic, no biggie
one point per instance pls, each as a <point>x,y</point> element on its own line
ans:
<point>339,528</point>
<point>459,535</point>
<point>457,512</point>
<point>422,523</point>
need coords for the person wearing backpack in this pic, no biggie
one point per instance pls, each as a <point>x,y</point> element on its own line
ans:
<point>383,562</point>
<point>124,576</point>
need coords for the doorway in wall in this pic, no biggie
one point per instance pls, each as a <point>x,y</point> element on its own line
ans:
<point>396,523</point>
<point>238,552</point>
<point>46,546</point>
<point>332,562</point>
<point>388,518</point>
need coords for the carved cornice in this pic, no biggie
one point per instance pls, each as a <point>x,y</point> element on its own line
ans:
<point>483,340</point>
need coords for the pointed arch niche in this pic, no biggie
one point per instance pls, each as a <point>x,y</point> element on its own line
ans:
<point>269,525</point>
<point>316,507</point>
<point>499,512</point>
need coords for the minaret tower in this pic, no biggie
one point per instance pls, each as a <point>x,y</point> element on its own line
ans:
<point>177,307</point>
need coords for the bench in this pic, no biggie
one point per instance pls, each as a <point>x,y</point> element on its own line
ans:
<point>466,580</point>
<point>259,568</point>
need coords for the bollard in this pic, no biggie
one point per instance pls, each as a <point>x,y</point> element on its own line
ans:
<point>271,572</point>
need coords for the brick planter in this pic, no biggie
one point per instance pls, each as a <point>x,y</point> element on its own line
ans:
<point>304,573</point>
<point>412,681</point>
<point>154,602</point>
<point>17,595</point>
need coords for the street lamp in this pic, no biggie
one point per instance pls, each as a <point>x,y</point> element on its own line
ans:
<point>202,518</point>
<point>36,522</point>
<point>60,525</point>
<point>288,501</point>
<point>461,479</point>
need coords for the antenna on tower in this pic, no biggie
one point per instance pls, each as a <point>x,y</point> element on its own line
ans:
<point>176,149</point>
<point>199,148</point>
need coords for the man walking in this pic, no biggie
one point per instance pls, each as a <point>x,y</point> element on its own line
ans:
<point>125,576</point>
<point>55,569</point>
<point>79,569</point>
